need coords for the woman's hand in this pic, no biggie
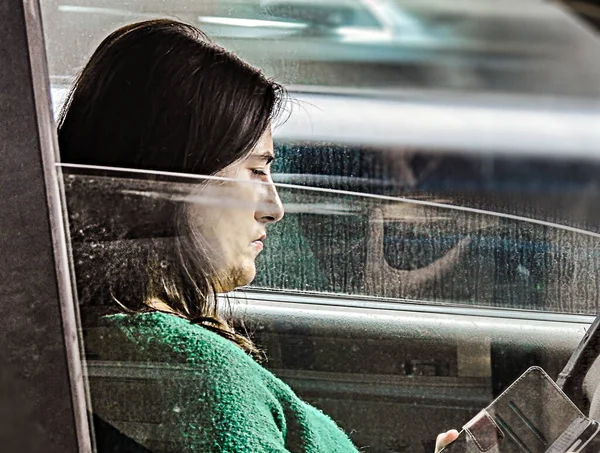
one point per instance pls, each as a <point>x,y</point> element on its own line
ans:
<point>444,439</point>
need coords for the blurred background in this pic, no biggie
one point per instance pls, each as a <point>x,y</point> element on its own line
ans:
<point>525,48</point>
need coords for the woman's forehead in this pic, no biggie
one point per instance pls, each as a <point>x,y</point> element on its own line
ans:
<point>264,147</point>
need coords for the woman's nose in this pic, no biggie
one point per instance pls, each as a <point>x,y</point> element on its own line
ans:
<point>270,209</point>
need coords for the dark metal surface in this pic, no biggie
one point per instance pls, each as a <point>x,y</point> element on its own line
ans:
<point>37,413</point>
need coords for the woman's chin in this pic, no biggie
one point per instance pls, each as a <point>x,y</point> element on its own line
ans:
<point>246,278</point>
<point>238,278</point>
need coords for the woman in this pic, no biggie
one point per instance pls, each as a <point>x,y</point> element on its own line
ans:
<point>158,95</point>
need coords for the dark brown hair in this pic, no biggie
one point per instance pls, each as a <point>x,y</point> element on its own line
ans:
<point>158,95</point>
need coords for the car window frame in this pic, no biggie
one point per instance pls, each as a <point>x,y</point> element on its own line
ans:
<point>46,389</point>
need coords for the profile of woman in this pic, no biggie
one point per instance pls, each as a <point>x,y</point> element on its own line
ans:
<point>160,96</point>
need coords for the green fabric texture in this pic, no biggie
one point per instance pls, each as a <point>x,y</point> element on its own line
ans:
<point>212,398</point>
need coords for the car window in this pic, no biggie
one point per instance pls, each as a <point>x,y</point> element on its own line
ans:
<point>468,48</point>
<point>375,246</point>
<point>465,222</point>
<point>336,251</point>
<point>438,166</point>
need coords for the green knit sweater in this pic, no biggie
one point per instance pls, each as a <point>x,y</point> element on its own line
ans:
<point>198,392</point>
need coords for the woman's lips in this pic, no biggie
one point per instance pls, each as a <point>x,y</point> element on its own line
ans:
<point>259,243</point>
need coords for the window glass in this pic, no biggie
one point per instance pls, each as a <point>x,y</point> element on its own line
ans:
<point>438,167</point>
<point>519,227</point>
<point>467,47</point>
<point>364,246</point>
<point>371,245</point>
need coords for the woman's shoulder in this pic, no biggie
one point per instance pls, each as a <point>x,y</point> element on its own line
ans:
<point>221,394</point>
<point>172,363</point>
<point>162,337</point>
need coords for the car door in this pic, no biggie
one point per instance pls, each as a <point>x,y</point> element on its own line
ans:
<point>43,401</point>
<point>434,247</point>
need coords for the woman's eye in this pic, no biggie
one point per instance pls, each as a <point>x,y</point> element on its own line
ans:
<point>259,172</point>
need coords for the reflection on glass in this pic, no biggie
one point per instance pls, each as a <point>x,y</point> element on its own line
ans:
<point>418,165</point>
<point>332,241</point>
<point>485,47</point>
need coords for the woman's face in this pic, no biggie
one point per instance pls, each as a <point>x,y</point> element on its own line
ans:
<point>232,217</point>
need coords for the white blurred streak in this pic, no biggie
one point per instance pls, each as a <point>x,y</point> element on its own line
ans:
<point>208,199</point>
<point>550,130</point>
<point>322,208</point>
<point>363,34</point>
<point>241,22</point>
<point>117,12</point>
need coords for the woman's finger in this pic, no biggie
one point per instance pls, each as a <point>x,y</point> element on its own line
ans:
<point>444,439</point>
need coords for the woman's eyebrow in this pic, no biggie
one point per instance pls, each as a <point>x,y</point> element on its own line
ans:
<point>268,157</point>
